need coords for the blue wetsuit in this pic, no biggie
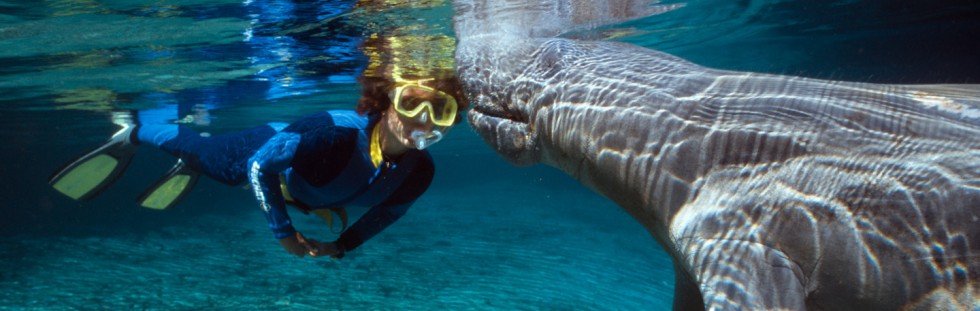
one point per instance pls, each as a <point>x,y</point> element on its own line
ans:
<point>323,160</point>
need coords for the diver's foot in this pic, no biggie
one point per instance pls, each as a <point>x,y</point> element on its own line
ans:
<point>94,171</point>
<point>126,119</point>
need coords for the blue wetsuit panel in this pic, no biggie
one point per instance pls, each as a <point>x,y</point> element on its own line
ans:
<point>221,157</point>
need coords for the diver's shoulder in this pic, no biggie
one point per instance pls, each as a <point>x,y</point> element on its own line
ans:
<point>349,119</point>
<point>331,119</point>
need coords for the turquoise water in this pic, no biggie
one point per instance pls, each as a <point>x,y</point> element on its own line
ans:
<point>485,236</point>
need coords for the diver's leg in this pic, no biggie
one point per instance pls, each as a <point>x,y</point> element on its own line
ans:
<point>221,157</point>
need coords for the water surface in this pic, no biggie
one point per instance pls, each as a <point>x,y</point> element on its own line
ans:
<point>485,236</point>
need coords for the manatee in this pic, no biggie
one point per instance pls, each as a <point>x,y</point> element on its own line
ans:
<point>768,191</point>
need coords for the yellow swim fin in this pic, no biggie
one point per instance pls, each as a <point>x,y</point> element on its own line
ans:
<point>168,191</point>
<point>88,175</point>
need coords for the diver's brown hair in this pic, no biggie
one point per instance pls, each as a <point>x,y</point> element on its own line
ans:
<point>376,91</point>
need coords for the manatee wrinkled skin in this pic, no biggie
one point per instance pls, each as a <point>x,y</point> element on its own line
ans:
<point>768,191</point>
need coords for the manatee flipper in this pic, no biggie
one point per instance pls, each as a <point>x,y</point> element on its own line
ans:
<point>735,260</point>
<point>761,278</point>
<point>88,175</point>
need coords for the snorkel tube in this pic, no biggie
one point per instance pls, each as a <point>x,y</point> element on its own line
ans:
<point>424,139</point>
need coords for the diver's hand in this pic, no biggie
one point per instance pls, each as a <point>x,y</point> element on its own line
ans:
<point>330,249</point>
<point>300,246</point>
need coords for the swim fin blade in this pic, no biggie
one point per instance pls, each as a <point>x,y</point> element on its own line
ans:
<point>168,191</point>
<point>88,175</point>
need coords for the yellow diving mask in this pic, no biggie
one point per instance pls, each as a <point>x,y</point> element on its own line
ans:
<point>413,99</point>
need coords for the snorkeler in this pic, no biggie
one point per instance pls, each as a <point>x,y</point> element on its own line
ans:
<point>322,163</point>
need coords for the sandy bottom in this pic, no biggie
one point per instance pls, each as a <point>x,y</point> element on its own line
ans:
<point>497,244</point>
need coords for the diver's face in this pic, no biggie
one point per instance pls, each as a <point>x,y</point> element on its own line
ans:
<point>401,130</point>
<point>423,115</point>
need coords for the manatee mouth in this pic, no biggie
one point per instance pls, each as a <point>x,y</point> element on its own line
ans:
<point>507,132</point>
<point>499,113</point>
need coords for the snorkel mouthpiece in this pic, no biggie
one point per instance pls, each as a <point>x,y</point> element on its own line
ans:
<point>425,139</point>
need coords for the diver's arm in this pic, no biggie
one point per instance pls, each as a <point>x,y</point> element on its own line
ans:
<point>271,200</point>
<point>374,221</point>
<point>391,209</point>
<point>264,168</point>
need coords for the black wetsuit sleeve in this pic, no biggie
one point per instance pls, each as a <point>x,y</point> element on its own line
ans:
<point>391,209</point>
